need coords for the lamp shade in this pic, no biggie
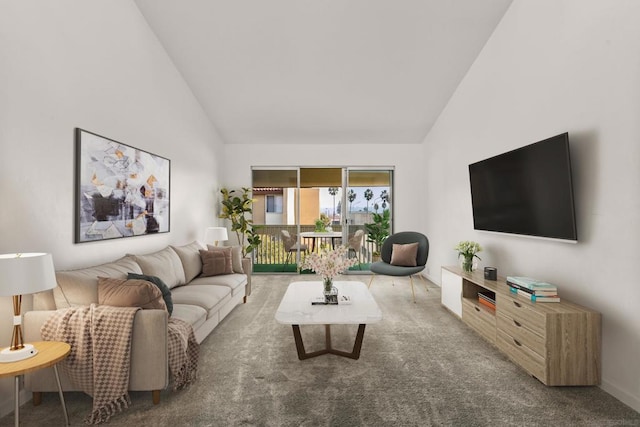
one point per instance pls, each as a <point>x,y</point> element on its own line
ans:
<point>26,273</point>
<point>215,234</point>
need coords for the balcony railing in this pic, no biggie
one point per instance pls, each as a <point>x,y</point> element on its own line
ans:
<point>272,252</point>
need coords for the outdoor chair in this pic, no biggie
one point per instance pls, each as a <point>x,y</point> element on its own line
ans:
<point>291,245</point>
<point>355,245</point>
<point>406,260</point>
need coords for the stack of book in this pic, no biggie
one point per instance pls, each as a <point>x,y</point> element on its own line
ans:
<point>533,289</point>
<point>488,299</point>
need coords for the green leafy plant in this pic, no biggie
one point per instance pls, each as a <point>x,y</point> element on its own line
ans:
<point>238,210</point>
<point>322,223</point>
<point>378,230</point>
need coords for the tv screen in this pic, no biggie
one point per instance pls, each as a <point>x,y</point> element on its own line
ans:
<point>526,191</point>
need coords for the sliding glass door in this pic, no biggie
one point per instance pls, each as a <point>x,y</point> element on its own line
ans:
<point>298,210</point>
<point>368,194</point>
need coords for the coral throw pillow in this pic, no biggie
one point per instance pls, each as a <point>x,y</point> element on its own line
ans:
<point>166,292</point>
<point>404,255</point>
<point>216,262</point>
<point>129,293</point>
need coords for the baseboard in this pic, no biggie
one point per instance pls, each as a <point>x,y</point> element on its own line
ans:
<point>431,278</point>
<point>624,397</point>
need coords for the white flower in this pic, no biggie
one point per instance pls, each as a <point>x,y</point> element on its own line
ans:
<point>468,249</point>
<point>329,263</point>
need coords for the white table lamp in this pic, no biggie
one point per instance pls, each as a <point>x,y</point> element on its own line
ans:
<point>215,234</point>
<point>21,274</point>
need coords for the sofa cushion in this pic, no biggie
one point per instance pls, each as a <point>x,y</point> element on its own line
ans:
<point>235,282</point>
<point>209,297</point>
<point>404,255</point>
<point>190,258</point>
<point>192,314</point>
<point>236,257</point>
<point>129,293</point>
<point>80,287</point>
<point>166,292</point>
<point>164,264</point>
<point>216,262</point>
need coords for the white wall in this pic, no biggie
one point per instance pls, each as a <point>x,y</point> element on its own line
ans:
<point>94,65</point>
<point>554,66</point>
<point>406,158</point>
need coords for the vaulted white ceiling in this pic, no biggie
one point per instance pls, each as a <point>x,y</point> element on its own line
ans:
<point>323,71</point>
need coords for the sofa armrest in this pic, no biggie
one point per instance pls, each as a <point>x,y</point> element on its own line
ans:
<point>149,358</point>
<point>247,267</point>
<point>149,351</point>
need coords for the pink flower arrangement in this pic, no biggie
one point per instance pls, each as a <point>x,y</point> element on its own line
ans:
<point>329,263</point>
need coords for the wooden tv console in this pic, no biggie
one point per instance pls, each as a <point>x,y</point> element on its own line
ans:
<point>557,343</point>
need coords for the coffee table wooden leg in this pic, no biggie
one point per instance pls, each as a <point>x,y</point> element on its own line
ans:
<point>327,337</point>
<point>302,354</point>
<point>358,344</point>
<point>299,344</point>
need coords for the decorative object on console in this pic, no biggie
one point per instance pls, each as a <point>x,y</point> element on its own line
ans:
<point>491,273</point>
<point>215,234</point>
<point>468,251</point>
<point>533,289</point>
<point>23,273</point>
<point>121,191</point>
<point>328,264</point>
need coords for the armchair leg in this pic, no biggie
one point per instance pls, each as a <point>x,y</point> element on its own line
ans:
<point>412,291</point>
<point>425,282</point>
<point>155,396</point>
<point>37,398</point>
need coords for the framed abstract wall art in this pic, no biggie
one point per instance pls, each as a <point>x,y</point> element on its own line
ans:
<point>121,191</point>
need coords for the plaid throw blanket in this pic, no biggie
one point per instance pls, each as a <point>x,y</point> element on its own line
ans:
<point>99,362</point>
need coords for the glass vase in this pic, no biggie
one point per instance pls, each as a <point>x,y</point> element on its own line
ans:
<point>469,264</point>
<point>330,291</point>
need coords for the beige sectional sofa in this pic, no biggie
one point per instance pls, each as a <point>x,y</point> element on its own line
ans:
<point>201,301</point>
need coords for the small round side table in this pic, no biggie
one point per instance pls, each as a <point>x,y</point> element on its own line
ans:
<point>49,354</point>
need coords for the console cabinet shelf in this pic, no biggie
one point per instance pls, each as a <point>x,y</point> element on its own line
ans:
<point>557,343</point>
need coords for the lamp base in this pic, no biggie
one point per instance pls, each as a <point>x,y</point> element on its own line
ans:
<point>7,355</point>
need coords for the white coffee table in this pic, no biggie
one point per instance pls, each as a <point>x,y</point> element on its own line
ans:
<point>295,309</point>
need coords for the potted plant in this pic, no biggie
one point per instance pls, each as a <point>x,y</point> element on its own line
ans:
<point>238,210</point>
<point>378,231</point>
<point>322,223</point>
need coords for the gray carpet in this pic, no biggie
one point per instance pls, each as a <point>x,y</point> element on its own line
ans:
<point>420,366</point>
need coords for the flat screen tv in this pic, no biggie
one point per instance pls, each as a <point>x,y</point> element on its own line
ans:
<point>527,191</point>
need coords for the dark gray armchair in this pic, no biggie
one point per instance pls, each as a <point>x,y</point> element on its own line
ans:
<point>386,268</point>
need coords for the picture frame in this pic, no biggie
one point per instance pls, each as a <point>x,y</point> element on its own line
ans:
<point>120,191</point>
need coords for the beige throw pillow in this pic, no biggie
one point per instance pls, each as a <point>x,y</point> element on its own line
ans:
<point>190,257</point>
<point>164,264</point>
<point>404,255</point>
<point>129,293</point>
<point>216,262</point>
<point>236,257</point>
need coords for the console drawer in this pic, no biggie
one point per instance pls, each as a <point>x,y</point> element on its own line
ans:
<point>517,330</point>
<point>481,319</point>
<point>528,359</point>
<point>522,312</point>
